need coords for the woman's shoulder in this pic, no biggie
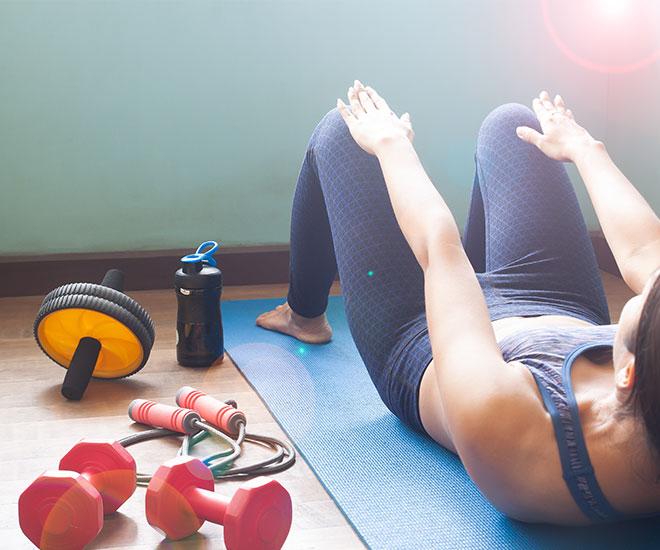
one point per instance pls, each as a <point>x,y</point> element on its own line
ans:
<point>513,451</point>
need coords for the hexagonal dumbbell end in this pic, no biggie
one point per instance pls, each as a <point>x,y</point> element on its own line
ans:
<point>258,516</point>
<point>60,511</point>
<point>180,498</point>
<point>168,507</point>
<point>107,466</point>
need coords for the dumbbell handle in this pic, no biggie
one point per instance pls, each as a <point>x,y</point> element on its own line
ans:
<point>208,505</point>
<point>216,412</point>
<point>163,416</point>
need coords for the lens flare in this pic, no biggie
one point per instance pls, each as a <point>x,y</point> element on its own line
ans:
<point>615,8</point>
<point>610,36</point>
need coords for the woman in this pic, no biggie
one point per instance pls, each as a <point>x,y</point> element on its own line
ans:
<point>498,347</point>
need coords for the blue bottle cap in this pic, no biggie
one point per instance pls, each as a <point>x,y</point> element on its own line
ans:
<point>200,256</point>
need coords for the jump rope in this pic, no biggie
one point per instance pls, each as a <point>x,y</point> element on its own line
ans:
<point>199,417</point>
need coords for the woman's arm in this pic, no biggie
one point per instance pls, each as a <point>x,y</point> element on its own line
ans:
<point>472,378</point>
<point>629,224</point>
<point>418,207</point>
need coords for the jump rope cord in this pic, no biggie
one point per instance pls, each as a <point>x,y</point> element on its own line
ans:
<point>220,463</point>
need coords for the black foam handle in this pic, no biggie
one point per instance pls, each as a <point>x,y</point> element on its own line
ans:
<point>81,368</point>
<point>114,279</point>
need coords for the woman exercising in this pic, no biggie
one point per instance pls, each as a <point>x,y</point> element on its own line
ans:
<point>499,347</point>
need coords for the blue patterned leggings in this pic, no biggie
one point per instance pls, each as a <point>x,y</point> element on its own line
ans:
<point>525,237</point>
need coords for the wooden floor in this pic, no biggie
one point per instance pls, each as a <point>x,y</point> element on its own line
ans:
<point>41,425</point>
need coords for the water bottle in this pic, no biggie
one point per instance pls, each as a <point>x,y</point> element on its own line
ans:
<point>198,286</point>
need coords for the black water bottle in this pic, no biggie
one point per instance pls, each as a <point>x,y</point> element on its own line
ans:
<point>198,286</point>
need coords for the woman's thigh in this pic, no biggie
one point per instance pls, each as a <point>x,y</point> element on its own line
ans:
<point>525,232</point>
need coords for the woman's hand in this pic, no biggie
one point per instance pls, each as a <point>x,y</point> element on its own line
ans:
<point>562,138</point>
<point>371,122</point>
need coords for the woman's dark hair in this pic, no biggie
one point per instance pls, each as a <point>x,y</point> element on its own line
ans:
<point>645,395</point>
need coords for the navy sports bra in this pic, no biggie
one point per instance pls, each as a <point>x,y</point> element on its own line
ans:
<point>549,353</point>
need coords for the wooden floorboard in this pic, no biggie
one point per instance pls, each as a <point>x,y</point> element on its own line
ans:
<point>40,425</point>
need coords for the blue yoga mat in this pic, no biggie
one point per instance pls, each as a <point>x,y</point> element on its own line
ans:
<point>399,489</point>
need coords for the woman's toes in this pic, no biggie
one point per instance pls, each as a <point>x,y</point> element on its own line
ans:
<point>265,315</point>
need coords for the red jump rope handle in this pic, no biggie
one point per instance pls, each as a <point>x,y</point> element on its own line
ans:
<point>164,416</point>
<point>216,412</point>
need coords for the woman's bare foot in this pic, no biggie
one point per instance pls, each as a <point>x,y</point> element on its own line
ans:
<point>283,319</point>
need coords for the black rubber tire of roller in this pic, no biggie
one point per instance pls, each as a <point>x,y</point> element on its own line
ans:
<point>96,303</point>
<point>107,293</point>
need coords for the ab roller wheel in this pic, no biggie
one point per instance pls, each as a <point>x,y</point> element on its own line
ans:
<point>94,330</point>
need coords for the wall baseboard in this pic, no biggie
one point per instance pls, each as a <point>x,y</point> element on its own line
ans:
<point>152,270</point>
<point>148,270</point>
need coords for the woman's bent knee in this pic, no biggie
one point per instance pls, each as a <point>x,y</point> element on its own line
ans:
<point>332,134</point>
<point>331,128</point>
<point>506,118</point>
<point>331,122</point>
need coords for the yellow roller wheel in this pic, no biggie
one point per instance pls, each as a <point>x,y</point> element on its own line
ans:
<point>93,331</point>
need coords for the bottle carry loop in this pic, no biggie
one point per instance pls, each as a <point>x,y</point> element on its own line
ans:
<point>200,256</point>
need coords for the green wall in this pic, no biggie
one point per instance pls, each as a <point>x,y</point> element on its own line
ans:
<point>144,124</point>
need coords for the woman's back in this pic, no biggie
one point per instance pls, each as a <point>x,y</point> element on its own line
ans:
<point>574,460</point>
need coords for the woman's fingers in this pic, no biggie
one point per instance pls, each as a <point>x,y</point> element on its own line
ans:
<point>541,112</point>
<point>366,101</point>
<point>545,109</point>
<point>356,106</point>
<point>345,112</point>
<point>379,102</point>
<point>548,106</point>
<point>361,100</point>
<point>559,102</point>
<point>529,135</point>
<point>545,101</point>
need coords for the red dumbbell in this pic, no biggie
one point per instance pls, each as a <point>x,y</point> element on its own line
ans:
<point>63,509</point>
<point>180,498</point>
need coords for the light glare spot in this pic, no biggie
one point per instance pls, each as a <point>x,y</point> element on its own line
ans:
<point>614,8</point>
